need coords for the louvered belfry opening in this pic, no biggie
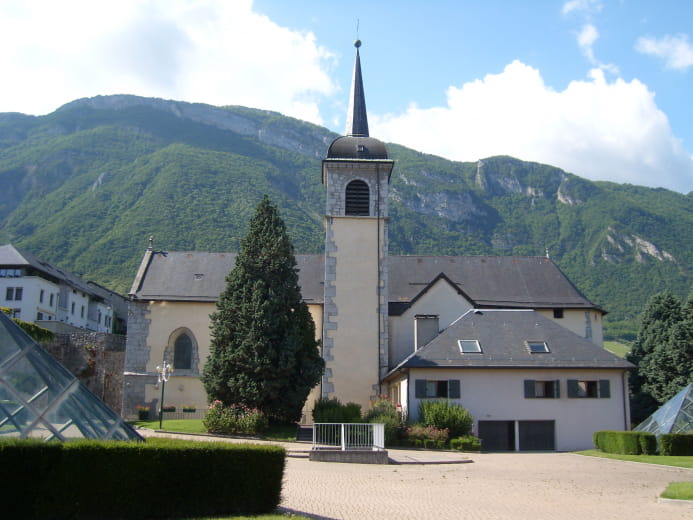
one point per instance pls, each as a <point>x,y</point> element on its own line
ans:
<point>357,201</point>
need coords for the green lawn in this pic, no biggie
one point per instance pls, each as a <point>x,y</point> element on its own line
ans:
<point>617,348</point>
<point>679,461</point>
<point>679,491</point>
<point>274,432</point>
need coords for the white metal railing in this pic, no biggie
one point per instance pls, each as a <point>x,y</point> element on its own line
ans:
<point>349,436</point>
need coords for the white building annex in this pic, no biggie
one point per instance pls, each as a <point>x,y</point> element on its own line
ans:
<point>42,293</point>
<point>509,338</point>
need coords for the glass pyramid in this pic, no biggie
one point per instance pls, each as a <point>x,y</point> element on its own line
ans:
<point>39,398</point>
<point>674,416</point>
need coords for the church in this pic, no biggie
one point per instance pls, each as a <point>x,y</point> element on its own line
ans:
<point>509,338</point>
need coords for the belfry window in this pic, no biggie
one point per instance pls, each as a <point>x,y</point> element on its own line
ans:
<point>357,199</point>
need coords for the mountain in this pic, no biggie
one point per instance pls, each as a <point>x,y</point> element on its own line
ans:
<point>85,187</point>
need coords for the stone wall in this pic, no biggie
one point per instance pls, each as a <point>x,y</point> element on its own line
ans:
<point>96,359</point>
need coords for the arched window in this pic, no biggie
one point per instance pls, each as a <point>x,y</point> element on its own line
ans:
<point>357,199</point>
<point>183,352</point>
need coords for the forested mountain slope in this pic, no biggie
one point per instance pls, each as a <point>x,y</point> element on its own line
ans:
<point>85,187</point>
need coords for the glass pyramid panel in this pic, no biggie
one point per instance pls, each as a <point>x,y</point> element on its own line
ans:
<point>674,416</point>
<point>39,398</point>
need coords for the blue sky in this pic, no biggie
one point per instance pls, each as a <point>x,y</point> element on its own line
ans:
<point>600,88</point>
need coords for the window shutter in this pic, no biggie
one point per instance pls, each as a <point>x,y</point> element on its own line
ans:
<point>604,388</point>
<point>572,388</point>
<point>557,388</point>
<point>454,389</point>
<point>529,388</point>
<point>420,388</point>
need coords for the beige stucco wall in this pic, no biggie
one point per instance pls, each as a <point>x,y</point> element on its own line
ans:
<point>498,395</point>
<point>169,317</point>
<point>577,320</point>
<point>441,300</point>
<point>353,360</point>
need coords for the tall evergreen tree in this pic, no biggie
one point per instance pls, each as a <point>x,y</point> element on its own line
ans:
<point>263,351</point>
<point>661,353</point>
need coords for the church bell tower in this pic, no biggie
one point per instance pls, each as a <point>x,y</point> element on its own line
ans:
<point>356,175</point>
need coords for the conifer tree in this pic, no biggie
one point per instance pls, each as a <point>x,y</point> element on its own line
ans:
<point>263,352</point>
<point>662,353</point>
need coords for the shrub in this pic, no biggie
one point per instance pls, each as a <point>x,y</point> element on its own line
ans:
<point>627,443</point>
<point>56,480</point>
<point>333,411</point>
<point>383,410</point>
<point>422,433</point>
<point>676,444</point>
<point>466,443</point>
<point>189,408</point>
<point>442,414</point>
<point>234,419</point>
<point>169,408</point>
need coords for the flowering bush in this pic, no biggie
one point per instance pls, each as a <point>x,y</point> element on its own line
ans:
<point>169,408</point>
<point>421,433</point>
<point>142,408</point>
<point>236,418</point>
<point>189,408</point>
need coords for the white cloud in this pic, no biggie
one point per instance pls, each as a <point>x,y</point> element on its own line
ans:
<point>675,50</point>
<point>594,128</point>
<point>208,51</point>
<point>572,6</point>
<point>586,38</point>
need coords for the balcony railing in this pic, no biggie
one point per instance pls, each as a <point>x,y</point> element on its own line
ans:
<point>348,436</point>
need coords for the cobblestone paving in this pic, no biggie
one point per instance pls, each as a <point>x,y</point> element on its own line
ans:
<point>494,486</point>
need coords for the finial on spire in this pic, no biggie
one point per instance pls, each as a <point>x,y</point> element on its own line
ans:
<point>357,120</point>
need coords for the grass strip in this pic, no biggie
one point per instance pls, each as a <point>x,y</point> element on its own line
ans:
<point>677,461</point>
<point>679,491</point>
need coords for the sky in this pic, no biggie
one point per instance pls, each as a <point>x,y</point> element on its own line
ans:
<point>599,88</point>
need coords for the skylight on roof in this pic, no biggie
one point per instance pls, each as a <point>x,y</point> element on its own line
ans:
<point>469,346</point>
<point>537,347</point>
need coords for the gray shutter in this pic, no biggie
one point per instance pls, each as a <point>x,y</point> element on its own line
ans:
<point>529,388</point>
<point>420,388</point>
<point>557,388</point>
<point>454,389</point>
<point>604,388</point>
<point>572,388</point>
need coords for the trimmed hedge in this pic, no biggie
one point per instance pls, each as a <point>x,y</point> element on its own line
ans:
<point>161,478</point>
<point>676,444</point>
<point>626,443</point>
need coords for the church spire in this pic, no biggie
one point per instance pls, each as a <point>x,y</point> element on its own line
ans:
<point>357,120</point>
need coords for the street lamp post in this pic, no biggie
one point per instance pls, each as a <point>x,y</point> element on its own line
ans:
<point>164,372</point>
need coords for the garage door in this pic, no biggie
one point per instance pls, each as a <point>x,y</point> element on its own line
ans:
<point>497,435</point>
<point>537,435</point>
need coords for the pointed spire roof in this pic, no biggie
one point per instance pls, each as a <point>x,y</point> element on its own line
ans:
<point>357,118</point>
<point>357,144</point>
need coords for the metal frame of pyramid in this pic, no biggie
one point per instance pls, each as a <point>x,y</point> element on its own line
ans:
<point>39,398</point>
<point>674,416</point>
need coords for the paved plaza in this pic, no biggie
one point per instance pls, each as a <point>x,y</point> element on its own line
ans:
<point>439,485</point>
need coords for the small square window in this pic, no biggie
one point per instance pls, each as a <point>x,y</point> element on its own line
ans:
<point>558,313</point>
<point>469,346</point>
<point>537,347</point>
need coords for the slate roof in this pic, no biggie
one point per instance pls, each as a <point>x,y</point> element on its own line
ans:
<point>489,281</point>
<point>11,257</point>
<point>503,337</point>
<point>201,276</point>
